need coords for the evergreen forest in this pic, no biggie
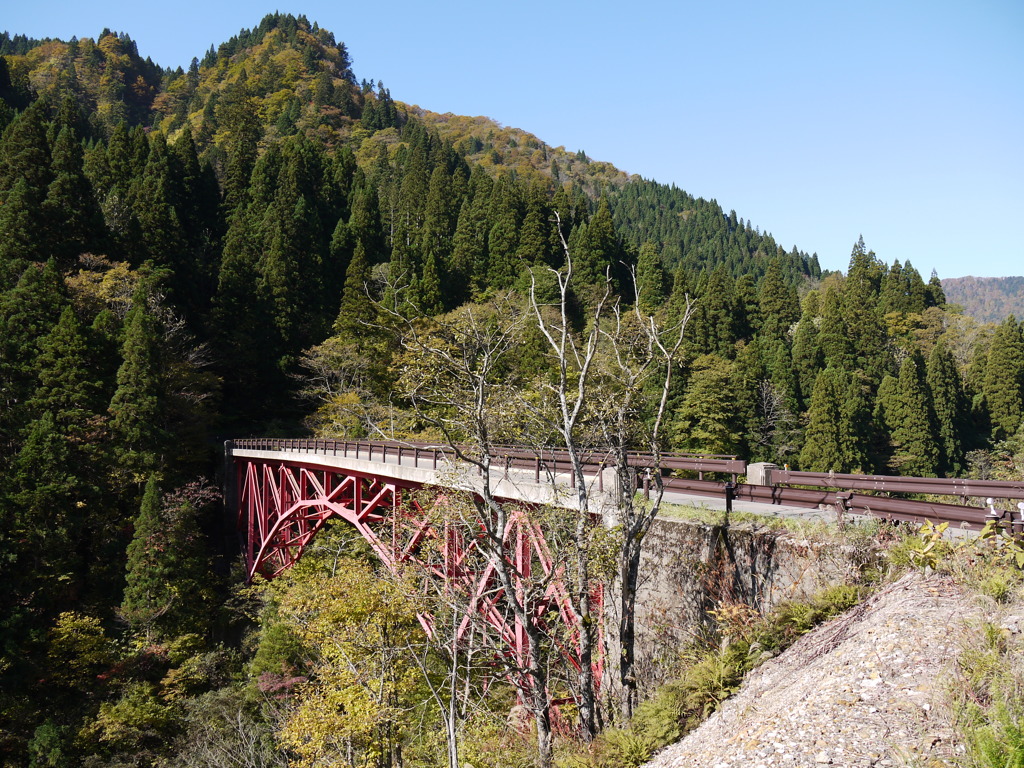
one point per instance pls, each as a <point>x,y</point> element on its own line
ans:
<point>192,256</point>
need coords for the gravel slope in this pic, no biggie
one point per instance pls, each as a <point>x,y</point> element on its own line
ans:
<point>862,690</point>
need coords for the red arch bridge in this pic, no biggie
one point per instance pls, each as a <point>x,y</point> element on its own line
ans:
<point>284,491</point>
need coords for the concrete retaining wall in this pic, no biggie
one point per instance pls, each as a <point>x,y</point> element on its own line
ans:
<point>690,568</point>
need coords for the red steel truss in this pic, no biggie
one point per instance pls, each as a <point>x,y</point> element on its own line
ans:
<point>283,504</point>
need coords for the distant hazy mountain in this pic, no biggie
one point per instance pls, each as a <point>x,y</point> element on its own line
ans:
<point>989,299</point>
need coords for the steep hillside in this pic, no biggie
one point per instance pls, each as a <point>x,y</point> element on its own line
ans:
<point>860,689</point>
<point>288,76</point>
<point>988,299</point>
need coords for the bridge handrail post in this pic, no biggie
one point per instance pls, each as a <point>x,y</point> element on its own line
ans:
<point>536,469</point>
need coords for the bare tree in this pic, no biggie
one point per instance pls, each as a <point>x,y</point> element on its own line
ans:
<point>776,429</point>
<point>574,357</point>
<point>636,376</point>
<point>453,371</point>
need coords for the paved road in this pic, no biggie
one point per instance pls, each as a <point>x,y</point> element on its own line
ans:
<point>757,508</point>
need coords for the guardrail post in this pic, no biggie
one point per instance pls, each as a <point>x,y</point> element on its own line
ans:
<point>730,490</point>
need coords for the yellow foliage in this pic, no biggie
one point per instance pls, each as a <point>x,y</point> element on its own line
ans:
<point>358,628</point>
<point>79,649</point>
<point>104,284</point>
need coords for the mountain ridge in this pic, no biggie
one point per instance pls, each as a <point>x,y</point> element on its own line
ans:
<point>293,76</point>
<point>988,299</point>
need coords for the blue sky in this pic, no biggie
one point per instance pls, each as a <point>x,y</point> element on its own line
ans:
<point>816,121</point>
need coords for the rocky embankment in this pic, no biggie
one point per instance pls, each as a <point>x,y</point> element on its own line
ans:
<point>866,689</point>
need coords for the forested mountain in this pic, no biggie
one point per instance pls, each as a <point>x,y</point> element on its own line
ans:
<point>191,255</point>
<point>987,299</point>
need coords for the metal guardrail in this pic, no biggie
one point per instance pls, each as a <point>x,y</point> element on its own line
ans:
<point>953,486</point>
<point>905,510</point>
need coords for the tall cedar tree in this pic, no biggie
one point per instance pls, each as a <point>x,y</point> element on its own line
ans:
<point>71,214</point>
<point>136,416</point>
<point>807,358</point>
<point>650,278</point>
<point>707,418</point>
<point>827,432</point>
<point>778,303</point>
<point>911,421</point>
<point>167,582</point>
<point>27,313</point>
<point>1003,385</point>
<point>951,408</point>
<point>58,467</point>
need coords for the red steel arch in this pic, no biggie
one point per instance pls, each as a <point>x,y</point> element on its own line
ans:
<point>283,503</point>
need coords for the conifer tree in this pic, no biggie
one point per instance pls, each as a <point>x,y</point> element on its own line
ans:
<point>27,313</point>
<point>746,311</point>
<point>240,119</point>
<point>934,295</point>
<point>951,409</point>
<point>886,403</point>
<point>650,278</point>
<point>440,216</point>
<point>807,358</point>
<point>21,241</point>
<point>682,290</point>
<point>834,336</point>
<point>1003,385</point>
<point>911,421</point>
<point>856,413</point>
<point>827,431</point>
<point>43,568</point>
<point>537,237</point>
<point>167,583</point>
<point>146,594</point>
<point>503,236</point>
<point>429,299</point>
<point>72,217</point>
<point>468,260</point>
<point>707,417</point>
<point>25,154</point>
<point>365,224</point>
<point>862,319</point>
<point>354,300</point>
<point>135,409</point>
<point>162,240</point>
<point>59,466</point>
<point>597,252</point>
<point>712,326</point>
<point>67,387</point>
<point>778,303</point>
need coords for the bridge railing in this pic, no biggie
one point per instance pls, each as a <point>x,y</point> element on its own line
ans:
<point>545,463</point>
<point>816,489</point>
<point>953,486</point>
